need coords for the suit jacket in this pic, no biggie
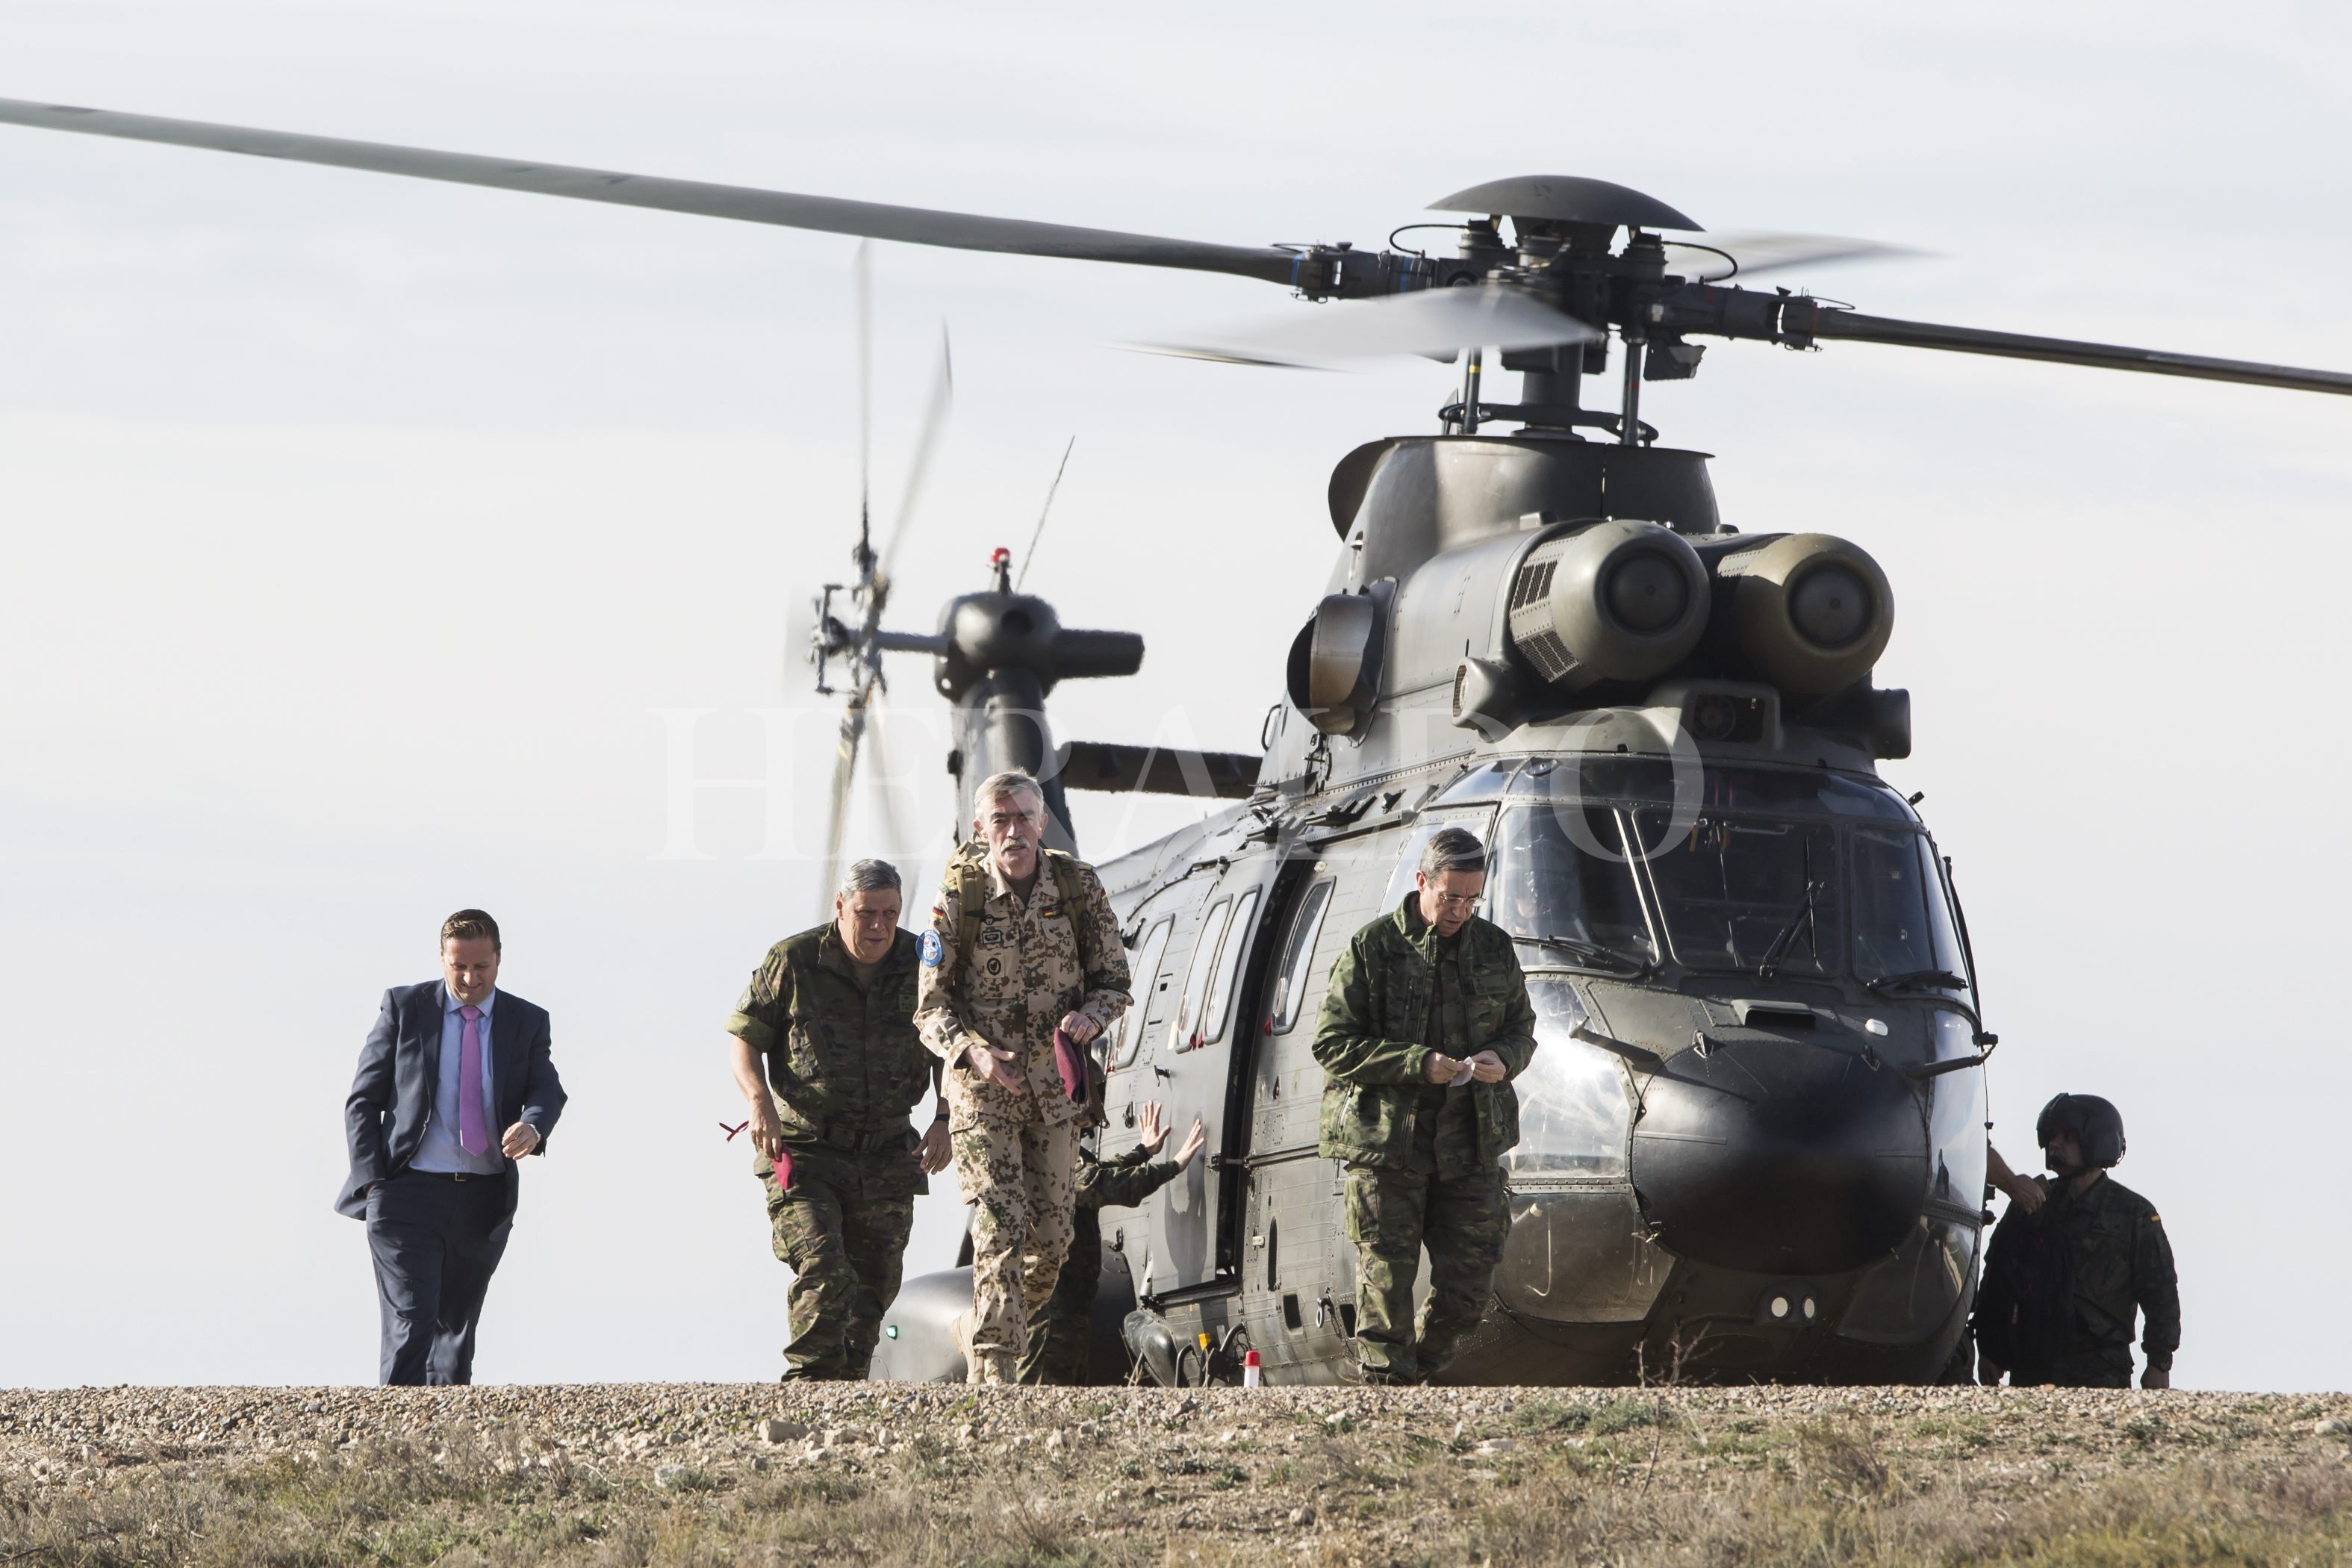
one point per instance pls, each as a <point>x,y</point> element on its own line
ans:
<point>401,1064</point>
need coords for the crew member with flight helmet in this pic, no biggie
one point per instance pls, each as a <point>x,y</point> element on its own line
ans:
<point>1021,968</point>
<point>2063,1281</point>
<point>830,1014</point>
<point>1426,1022</point>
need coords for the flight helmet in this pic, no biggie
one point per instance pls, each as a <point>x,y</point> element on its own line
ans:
<point>2096,1124</point>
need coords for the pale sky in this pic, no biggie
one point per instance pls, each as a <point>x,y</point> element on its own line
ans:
<point>361,533</point>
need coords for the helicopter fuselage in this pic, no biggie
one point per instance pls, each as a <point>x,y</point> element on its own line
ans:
<point>1753,1133</point>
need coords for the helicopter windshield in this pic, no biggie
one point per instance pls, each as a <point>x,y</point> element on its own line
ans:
<point>1546,885</point>
<point>1746,892</point>
<point>1762,870</point>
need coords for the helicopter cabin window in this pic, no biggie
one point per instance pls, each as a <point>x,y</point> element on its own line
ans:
<point>1186,1034</point>
<point>1290,986</point>
<point>1574,1112</point>
<point>1147,985</point>
<point>1229,966</point>
<point>1746,892</point>
<point>1560,881</point>
<point>1401,882</point>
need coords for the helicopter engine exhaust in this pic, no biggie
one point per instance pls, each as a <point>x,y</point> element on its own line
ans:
<point>1807,612</point>
<point>1613,601</point>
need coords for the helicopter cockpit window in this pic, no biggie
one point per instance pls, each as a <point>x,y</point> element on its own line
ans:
<point>1561,882</point>
<point>1778,791</point>
<point>1573,1110</point>
<point>1401,882</point>
<point>1903,929</point>
<point>1235,952</point>
<point>1483,783</point>
<point>1746,892</point>
<point>1290,986</point>
<point>1146,971</point>
<point>1890,907</point>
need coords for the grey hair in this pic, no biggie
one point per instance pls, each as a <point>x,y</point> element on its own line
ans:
<point>1005,785</point>
<point>1452,849</point>
<point>869,877</point>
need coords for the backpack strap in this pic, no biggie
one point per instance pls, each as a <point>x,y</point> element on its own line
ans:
<point>1070,882</point>
<point>971,892</point>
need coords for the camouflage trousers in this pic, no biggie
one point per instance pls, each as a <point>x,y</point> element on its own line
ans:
<point>842,1228</point>
<point>1061,1332</point>
<point>1021,1182</point>
<point>1391,1214</point>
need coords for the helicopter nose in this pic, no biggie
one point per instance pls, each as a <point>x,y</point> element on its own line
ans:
<point>1773,1154</point>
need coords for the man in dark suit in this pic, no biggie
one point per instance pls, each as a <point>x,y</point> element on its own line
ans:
<point>448,1063</point>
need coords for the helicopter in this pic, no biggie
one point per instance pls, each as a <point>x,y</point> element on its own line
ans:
<point>1753,1136</point>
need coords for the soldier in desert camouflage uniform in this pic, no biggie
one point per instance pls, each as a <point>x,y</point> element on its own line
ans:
<point>1022,941</point>
<point>1427,1022</point>
<point>833,1013</point>
<point>1060,1332</point>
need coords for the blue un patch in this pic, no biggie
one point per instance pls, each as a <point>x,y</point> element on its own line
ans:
<point>930,950</point>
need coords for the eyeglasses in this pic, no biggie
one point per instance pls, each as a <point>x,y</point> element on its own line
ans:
<point>1457,900</point>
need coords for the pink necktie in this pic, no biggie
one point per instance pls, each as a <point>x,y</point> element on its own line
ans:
<point>473,1128</point>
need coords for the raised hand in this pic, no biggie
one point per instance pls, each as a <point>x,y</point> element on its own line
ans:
<point>1191,1145</point>
<point>1150,1131</point>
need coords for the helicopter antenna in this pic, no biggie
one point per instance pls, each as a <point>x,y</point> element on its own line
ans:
<point>1044,511</point>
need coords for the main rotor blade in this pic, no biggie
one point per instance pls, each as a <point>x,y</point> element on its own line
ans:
<point>1726,256</point>
<point>884,783</point>
<point>844,773</point>
<point>829,215</point>
<point>1797,322</point>
<point>1436,324</point>
<point>935,419</point>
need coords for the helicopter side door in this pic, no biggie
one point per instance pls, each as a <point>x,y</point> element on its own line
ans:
<point>1191,1056</point>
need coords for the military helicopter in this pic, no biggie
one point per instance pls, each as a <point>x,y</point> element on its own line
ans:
<point>1753,1136</point>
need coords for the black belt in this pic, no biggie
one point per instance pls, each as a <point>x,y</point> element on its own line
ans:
<point>847,1141</point>
<point>455,1175</point>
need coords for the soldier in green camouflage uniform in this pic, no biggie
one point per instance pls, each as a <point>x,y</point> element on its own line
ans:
<point>1022,941</point>
<point>1061,1332</point>
<point>830,1014</point>
<point>2119,1268</point>
<point>1427,1022</point>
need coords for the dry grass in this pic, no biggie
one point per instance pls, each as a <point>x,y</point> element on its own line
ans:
<point>1657,1478</point>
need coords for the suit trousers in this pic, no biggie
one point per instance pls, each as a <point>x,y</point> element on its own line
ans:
<point>437,1242</point>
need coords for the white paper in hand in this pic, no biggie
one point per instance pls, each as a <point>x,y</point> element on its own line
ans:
<point>1460,1078</point>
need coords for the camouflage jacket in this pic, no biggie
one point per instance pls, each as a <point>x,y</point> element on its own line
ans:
<point>1033,961</point>
<point>1122,1181</point>
<point>1377,1030</point>
<point>2123,1262</point>
<point>845,1064</point>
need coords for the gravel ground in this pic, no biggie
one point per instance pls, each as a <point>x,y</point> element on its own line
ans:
<point>1252,1471</point>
